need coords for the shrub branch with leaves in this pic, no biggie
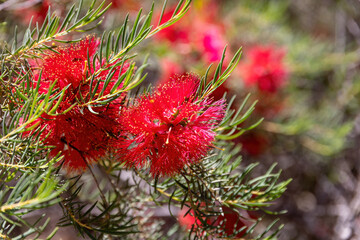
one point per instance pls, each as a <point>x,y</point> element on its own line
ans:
<point>69,122</point>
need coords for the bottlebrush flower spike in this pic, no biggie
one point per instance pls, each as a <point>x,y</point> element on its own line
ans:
<point>81,136</point>
<point>264,69</point>
<point>169,128</point>
<point>68,66</point>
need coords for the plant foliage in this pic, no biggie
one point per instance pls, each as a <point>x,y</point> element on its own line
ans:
<point>123,200</point>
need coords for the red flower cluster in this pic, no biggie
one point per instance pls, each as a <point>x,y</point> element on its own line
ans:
<point>264,69</point>
<point>81,136</point>
<point>170,128</point>
<point>67,67</point>
<point>167,129</point>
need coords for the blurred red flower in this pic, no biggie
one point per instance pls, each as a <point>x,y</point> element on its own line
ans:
<point>253,143</point>
<point>264,68</point>
<point>177,33</point>
<point>169,128</point>
<point>206,38</point>
<point>210,41</point>
<point>125,4</point>
<point>37,10</point>
<point>80,135</point>
<point>230,224</point>
<point>188,220</point>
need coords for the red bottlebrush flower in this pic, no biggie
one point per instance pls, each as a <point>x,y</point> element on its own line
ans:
<point>68,66</point>
<point>170,128</point>
<point>264,69</point>
<point>80,135</point>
